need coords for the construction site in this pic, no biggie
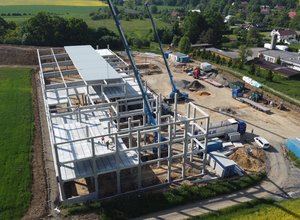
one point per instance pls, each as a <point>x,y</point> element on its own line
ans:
<point>101,142</point>
<point>114,127</point>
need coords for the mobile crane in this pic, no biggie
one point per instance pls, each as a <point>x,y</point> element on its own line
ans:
<point>180,95</point>
<point>148,109</point>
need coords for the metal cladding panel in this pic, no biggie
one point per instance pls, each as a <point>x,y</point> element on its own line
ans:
<point>293,145</point>
<point>91,65</point>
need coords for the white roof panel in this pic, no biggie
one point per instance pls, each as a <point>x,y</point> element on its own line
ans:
<point>104,52</point>
<point>90,65</point>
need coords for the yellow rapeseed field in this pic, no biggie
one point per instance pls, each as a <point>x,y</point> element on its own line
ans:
<point>53,2</point>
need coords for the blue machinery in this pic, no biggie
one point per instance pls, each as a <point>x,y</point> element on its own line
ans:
<point>148,110</point>
<point>180,96</point>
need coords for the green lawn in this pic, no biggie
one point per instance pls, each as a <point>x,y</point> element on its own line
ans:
<point>261,209</point>
<point>16,126</point>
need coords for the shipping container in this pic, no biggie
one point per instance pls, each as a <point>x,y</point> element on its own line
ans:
<point>223,166</point>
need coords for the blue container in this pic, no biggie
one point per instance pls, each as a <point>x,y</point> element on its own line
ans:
<point>214,146</point>
<point>293,145</point>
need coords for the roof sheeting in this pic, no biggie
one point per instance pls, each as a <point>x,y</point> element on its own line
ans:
<point>90,65</point>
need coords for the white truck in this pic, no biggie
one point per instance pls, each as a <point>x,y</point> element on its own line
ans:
<point>206,67</point>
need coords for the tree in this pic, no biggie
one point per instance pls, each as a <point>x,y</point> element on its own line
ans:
<point>154,9</point>
<point>253,37</point>
<point>252,69</point>
<point>184,44</point>
<point>270,76</point>
<point>244,52</point>
<point>194,25</point>
<point>278,61</point>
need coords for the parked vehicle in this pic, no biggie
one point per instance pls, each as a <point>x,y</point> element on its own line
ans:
<point>262,142</point>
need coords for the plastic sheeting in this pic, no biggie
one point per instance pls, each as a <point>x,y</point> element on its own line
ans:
<point>252,82</point>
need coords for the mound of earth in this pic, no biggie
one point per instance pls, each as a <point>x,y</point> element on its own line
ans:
<point>182,84</point>
<point>195,86</point>
<point>250,161</point>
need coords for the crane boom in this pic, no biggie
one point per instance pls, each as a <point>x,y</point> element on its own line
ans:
<point>148,108</point>
<point>182,96</point>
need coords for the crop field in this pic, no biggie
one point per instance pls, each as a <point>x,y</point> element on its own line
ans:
<point>135,27</point>
<point>260,209</point>
<point>16,126</point>
<point>54,2</point>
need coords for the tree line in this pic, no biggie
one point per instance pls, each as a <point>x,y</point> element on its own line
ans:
<point>45,29</point>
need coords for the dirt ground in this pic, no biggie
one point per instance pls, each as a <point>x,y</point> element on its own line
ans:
<point>283,123</point>
<point>38,206</point>
<point>18,55</point>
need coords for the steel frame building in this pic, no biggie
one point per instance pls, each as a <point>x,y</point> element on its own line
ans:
<point>98,129</point>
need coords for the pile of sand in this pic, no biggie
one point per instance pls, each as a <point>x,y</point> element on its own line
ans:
<point>254,161</point>
<point>219,79</point>
<point>203,93</point>
<point>195,86</point>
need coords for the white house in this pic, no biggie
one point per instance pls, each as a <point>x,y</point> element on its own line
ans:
<point>284,35</point>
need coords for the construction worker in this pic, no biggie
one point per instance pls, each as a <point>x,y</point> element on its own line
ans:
<point>107,144</point>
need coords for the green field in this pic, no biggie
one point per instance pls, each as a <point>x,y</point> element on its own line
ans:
<point>261,209</point>
<point>53,2</point>
<point>134,27</point>
<point>16,126</point>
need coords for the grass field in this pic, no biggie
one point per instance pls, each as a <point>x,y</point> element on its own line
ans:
<point>16,126</point>
<point>261,209</point>
<point>53,2</point>
<point>134,27</point>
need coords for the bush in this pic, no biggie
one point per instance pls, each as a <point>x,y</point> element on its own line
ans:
<point>135,205</point>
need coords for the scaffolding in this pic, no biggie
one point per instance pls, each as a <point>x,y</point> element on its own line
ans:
<point>101,143</point>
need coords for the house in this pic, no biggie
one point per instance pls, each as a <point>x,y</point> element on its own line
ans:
<point>288,59</point>
<point>279,7</point>
<point>265,9</point>
<point>292,14</point>
<point>284,35</point>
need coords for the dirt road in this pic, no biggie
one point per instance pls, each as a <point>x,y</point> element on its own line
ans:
<point>283,179</point>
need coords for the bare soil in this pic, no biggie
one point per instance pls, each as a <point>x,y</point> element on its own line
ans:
<point>38,204</point>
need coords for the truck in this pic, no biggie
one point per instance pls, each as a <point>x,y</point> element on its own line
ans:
<point>202,70</point>
<point>225,127</point>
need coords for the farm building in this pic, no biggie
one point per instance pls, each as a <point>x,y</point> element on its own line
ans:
<point>179,57</point>
<point>224,54</point>
<point>101,142</point>
<point>288,59</point>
